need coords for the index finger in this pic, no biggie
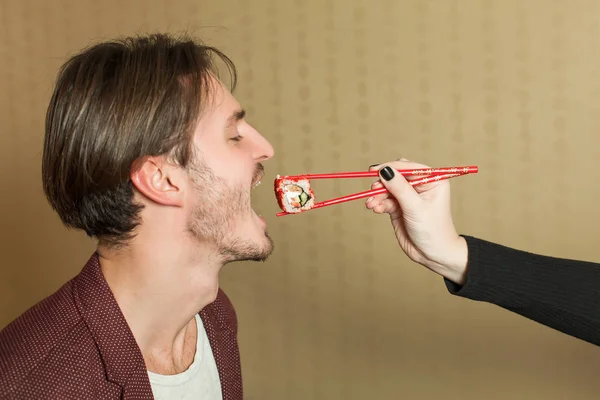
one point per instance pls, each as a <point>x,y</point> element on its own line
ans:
<point>404,164</point>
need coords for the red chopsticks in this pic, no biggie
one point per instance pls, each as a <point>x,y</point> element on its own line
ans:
<point>406,172</point>
<point>431,175</point>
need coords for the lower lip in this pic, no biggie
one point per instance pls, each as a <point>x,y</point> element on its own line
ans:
<point>264,221</point>
<point>261,219</point>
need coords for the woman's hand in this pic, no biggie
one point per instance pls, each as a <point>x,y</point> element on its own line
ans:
<point>422,220</point>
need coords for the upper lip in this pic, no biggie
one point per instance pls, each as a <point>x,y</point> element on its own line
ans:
<point>257,178</point>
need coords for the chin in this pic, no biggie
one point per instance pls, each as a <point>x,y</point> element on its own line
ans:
<point>256,246</point>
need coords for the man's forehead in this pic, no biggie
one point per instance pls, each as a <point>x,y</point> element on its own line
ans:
<point>221,101</point>
<point>220,110</point>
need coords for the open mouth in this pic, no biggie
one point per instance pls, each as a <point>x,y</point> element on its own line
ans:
<point>258,175</point>
<point>256,181</point>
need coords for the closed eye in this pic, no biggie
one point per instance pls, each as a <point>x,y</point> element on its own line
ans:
<point>237,138</point>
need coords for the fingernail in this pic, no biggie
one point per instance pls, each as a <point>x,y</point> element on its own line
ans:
<point>387,173</point>
<point>373,165</point>
<point>370,199</point>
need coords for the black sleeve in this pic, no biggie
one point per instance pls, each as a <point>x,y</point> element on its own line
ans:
<point>559,293</point>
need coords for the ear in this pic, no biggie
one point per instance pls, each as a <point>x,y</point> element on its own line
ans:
<point>157,180</point>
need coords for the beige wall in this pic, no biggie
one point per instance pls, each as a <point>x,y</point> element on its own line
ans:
<point>338,312</point>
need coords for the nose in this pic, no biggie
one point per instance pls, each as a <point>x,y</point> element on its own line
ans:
<point>262,149</point>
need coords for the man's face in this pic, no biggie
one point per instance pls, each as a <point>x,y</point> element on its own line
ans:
<point>226,167</point>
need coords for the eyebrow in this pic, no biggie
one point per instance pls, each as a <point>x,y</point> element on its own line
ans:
<point>236,116</point>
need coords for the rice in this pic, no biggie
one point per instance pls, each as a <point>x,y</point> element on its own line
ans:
<point>294,195</point>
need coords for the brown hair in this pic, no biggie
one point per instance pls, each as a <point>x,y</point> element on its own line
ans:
<point>115,103</point>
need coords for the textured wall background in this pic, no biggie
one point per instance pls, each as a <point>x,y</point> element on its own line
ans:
<point>338,312</point>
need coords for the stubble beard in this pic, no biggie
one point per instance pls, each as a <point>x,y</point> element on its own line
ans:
<point>215,218</point>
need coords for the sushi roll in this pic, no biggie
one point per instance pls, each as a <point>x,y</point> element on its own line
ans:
<point>294,195</point>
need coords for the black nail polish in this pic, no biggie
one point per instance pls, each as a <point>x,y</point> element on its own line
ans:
<point>387,173</point>
<point>373,165</point>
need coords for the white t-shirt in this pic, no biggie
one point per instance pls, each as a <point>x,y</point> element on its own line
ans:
<point>199,381</point>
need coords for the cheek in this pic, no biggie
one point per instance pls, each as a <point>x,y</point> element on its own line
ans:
<point>230,166</point>
<point>231,171</point>
<point>225,198</point>
<point>239,200</point>
<point>217,162</point>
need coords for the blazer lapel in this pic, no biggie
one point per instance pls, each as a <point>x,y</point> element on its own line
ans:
<point>220,324</point>
<point>118,349</point>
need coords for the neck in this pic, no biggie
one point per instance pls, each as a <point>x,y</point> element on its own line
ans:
<point>160,287</point>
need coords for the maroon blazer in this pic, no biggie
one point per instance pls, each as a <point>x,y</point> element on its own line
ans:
<point>76,344</point>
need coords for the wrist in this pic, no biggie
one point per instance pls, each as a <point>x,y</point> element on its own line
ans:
<point>452,264</point>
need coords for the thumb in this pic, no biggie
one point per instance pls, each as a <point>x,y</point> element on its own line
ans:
<point>399,187</point>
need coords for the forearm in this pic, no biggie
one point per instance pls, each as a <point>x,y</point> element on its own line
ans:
<point>559,293</point>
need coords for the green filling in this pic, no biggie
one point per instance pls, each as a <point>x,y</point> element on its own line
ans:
<point>303,198</point>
